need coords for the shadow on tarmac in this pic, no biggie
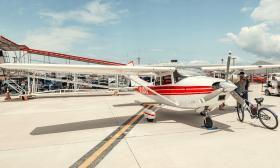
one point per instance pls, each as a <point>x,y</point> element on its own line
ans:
<point>76,126</point>
<point>188,117</point>
<point>191,118</point>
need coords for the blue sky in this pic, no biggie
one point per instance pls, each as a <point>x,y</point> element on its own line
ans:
<point>155,30</point>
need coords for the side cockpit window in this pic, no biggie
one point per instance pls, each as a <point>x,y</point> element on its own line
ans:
<point>157,81</point>
<point>166,80</point>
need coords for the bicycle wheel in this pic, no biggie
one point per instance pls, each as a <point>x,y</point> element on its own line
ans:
<point>268,118</point>
<point>240,112</point>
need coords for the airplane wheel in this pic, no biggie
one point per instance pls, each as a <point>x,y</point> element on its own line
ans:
<point>267,93</point>
<point>150,120</point>
<point>208,123</point>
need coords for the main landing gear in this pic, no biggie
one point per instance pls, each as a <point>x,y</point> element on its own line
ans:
<point>150,120</point>
<point>150,116</point>
<point>150,113</point>
<point>208,122</point>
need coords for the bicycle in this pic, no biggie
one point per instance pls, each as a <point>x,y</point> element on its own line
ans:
<point>267,117</point>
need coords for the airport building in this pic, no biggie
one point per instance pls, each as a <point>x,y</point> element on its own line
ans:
<point>11,52</point>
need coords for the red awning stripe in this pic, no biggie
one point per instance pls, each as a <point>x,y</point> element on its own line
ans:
<point>71,57</point>
<point>57,55</point>
<point>8,40</point>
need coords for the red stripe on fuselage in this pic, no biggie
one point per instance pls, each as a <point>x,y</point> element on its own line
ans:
<point>179,87</point>
<point>176,90</point>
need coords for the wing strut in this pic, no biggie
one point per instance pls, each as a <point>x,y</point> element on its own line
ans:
<point>139,82</point>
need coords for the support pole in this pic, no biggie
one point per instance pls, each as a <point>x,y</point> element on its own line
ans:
<point>117,81</point>
<point>33,83</point>
<point>28,84</point>
<point>36,84</point>
<point>75,80</point>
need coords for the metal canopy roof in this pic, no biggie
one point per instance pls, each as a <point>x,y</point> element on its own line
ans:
<point>69,57</point>
<point>8,45</point>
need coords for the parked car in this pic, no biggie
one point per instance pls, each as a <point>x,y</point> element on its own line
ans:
<point>259,79</point>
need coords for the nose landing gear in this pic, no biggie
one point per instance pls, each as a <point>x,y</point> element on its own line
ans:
<point>208,122</point>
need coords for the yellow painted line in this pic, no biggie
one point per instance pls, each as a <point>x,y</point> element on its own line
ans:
<point>93,157</point>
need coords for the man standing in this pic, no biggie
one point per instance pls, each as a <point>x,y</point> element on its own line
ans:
<point>241,86</point>
<point>1,87</point>
<point>247,81</point>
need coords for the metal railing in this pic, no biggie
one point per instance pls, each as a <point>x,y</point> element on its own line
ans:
<point>13,85</point>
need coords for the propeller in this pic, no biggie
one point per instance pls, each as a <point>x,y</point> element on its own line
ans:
<point>228,65</point>
<point>211,95</point>
<point>236,96</point>
<point>223,86</point>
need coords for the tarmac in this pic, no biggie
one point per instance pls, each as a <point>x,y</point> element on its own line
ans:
<point>110,131</point>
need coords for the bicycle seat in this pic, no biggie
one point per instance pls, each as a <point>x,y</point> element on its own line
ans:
<point>259,100</point>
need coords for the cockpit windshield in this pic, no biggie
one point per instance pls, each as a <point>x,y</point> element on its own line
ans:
<point>191,72</point>
<point>180,74</point>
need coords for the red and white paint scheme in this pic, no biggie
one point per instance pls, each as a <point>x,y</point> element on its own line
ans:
<point>201,93</point>
<point>187,93</point>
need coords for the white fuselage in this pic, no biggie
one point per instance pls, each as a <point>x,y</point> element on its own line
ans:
<point>188,92</point>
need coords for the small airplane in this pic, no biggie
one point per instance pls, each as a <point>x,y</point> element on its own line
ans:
<point>200,93</point>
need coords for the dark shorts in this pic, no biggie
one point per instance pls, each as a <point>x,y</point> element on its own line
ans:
<point>245,96</point>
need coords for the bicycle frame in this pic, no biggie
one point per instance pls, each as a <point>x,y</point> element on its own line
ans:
<point>262,113</point>
<point>247,105</point>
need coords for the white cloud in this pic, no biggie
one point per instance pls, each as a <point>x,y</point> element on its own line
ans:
<point>59,39</point>
<point>257,40</point>
<point>263,39</point>
<point>198,62</point>
<point>246,9</point>
<point>268,10</point>
<point>95,12</point>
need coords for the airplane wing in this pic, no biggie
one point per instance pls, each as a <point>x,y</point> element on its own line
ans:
<point>183,66</point>
<point>88,69</point>
<point>130,71</point>
<point>247,67</point>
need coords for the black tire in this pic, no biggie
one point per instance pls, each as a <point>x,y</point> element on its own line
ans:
<point>267,93</point>
<point>240,112</point>
<point>208,123</point>
<point>150,120</point>
<point>265,115</point>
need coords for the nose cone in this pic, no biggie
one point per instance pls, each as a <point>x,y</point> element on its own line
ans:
<point>228,86</point>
